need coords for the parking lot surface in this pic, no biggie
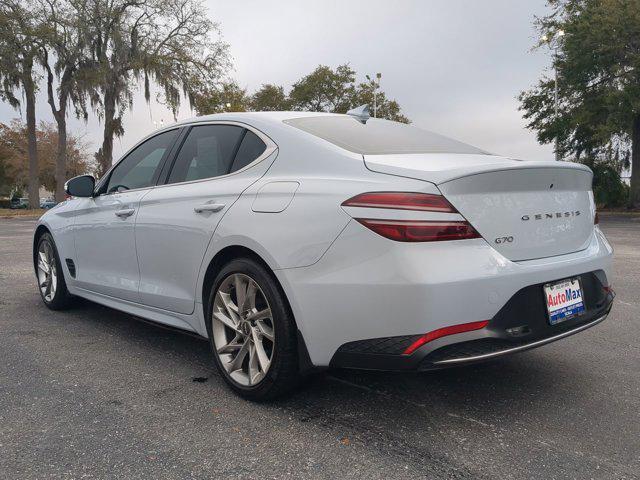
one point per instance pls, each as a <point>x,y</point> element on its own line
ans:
<point>94,393</point>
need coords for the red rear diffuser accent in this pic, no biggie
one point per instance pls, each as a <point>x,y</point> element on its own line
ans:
<point>443,332</point>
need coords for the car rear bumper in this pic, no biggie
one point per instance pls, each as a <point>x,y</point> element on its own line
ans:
<point>366,288</point>
<point>507,333</point>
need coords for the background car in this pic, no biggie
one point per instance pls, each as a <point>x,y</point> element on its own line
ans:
<point>19,203</point>
<point>295,241</point>
<point>48,203</point>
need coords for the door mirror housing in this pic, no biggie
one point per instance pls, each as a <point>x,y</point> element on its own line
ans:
<point>80,186</point>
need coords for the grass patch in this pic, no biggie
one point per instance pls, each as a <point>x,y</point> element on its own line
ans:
<point>22,213</point>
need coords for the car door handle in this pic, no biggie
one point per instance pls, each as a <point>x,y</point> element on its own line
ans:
<point>209,207</point>
<point>125,212</point>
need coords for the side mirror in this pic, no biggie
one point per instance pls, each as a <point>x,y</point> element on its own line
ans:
<point>80,186</point>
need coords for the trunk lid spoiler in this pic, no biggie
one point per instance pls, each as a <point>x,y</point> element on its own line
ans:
<point>441,168</point>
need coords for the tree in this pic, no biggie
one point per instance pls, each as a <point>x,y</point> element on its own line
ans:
<point>269,98</point>
<point>388,109</point>
<point>20,34</point>
<point>598,64</point>
<point>228,97</point>
<point>324,90</point>
<point>14,156</point>
<point>327,90</point>
<point>167,41</point>
<point>64,58</point>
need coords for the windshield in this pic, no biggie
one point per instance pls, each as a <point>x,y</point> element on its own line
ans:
<point>378,137</point>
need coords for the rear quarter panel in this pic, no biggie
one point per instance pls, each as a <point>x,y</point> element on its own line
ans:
<point>299,234</point>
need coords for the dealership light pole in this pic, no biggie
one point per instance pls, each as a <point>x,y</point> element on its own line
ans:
<point>376,85</point>
<point>553,41</point>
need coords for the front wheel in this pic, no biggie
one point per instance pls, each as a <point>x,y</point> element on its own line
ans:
<point>252,332</point>
<point>51,284</point>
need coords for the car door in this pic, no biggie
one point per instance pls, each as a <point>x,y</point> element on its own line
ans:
<point>106,259</point>
<point>176,221</point>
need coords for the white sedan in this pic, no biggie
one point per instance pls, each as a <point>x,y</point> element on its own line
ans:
<point>295,241</point>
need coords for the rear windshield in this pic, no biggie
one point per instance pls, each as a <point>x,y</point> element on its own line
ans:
<point>378,137</point>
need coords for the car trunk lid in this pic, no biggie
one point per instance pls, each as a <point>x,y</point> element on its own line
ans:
<point>525,210</point>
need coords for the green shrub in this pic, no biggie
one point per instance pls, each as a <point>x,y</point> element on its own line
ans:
<point>608,189</point>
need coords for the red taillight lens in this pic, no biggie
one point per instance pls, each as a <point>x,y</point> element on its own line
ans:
<point>443,332</point>
<point>420,231</point>
<point>425,202</point>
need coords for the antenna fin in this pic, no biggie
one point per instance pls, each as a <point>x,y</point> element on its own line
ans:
<point>360,113</point>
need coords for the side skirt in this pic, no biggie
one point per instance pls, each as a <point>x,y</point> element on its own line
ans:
<point>156,315</point>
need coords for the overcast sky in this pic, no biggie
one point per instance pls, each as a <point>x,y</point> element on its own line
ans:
<point>455,66</point>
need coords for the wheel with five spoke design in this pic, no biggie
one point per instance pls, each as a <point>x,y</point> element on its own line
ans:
<point>252,332</point>
<point>51,284</point>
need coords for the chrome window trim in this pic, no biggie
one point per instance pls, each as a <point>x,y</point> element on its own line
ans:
<point>125,155</point>
<point>271,148</point>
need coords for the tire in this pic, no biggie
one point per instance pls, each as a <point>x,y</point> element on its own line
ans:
<point>59,298</point>
<point>250,325</point>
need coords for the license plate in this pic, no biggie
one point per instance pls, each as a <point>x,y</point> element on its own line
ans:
<point>564,300</point>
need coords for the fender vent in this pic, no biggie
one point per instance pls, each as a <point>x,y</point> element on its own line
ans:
<point>71,266</point>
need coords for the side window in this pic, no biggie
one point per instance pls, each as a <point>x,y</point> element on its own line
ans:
<point>250,149</point>
<point>139,168</point>
<point>208,151</point>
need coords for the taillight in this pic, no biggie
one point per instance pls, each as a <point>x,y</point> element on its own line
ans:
<point>425,202</point>
<point>412,230</point>
<point>420,231</point>
<point>443,332</point>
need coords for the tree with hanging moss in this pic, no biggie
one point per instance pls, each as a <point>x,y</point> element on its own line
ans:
<point>171,43</point>
<point>64,56</point>
<point>21,31</point>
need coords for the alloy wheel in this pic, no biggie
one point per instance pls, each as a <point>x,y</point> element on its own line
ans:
<point>243,329</point>
<point>47,272</point>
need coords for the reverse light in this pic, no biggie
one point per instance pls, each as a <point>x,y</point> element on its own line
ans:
<point>420,231</point>
<point>443,332</point>
<point>425,202</point>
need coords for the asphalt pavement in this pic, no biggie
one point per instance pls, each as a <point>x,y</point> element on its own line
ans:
<point>95,393</point>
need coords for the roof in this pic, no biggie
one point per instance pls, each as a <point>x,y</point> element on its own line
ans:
<point>244,116</point>
<point>377,137</point>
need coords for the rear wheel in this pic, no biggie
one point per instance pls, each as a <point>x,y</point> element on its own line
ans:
<point>51,284</point>
<point>251,331</point>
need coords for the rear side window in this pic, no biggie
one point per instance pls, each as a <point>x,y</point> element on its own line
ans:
<point>208,151</point>
<point>250,149</point>
<point>378,137</point>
